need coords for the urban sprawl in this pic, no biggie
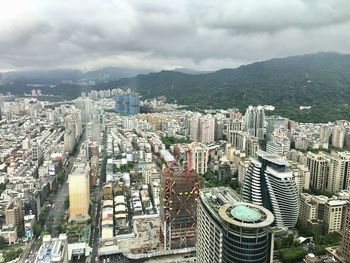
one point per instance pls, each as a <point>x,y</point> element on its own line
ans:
<point>109,177</point>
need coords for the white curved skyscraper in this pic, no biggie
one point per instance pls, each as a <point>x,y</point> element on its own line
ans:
<point>269,183</point>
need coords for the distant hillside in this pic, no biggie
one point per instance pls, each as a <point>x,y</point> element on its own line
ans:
<point>57,75</point>
<point>322,78</point>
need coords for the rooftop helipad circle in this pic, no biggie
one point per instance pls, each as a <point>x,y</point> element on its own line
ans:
<point>245,213</point>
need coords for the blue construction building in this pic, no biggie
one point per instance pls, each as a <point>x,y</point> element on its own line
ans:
<point>128,104</point>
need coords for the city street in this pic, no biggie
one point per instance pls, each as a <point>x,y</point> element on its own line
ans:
<point>56,213</point>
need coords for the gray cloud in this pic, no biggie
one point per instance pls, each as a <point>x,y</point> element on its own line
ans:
<point>161,34</point>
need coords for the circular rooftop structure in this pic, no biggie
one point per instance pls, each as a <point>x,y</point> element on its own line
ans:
<point>245,213</point>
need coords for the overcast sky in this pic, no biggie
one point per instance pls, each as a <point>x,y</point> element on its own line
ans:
<point>158,34</point>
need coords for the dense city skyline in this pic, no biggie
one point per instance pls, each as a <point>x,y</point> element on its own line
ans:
<point>191,131</point>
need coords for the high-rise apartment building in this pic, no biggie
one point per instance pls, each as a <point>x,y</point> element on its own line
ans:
<point>301,176</point>
<point>207,129</point>
<point>255,121</point>
<point>233,125</point>
<point>73,129</point>
<point>14,214</point>
<point>79,193</point>
<point>344,248</point>
<point>269,183</point>
<point>178,207</point>
<point>308,208</point>
<point>338,136</point>
<point>325,132</point>
<point>86,107</point>
<point>202,128</point>
<point>198,157</point>
<point>333,215</point>
<point>339,172</point>
<point>230,230</point>
<point>244,142</point>
<point>194,128</point>
<point>328,211</point>
<point>318,165</point>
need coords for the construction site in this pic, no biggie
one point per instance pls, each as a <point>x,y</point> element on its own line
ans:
<point>178,206</point>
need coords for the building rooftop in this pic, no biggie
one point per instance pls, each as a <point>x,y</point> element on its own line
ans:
<point>227,206</point>
<point>245,213</point>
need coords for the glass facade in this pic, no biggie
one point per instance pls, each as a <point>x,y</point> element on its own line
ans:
<point>127,104</point>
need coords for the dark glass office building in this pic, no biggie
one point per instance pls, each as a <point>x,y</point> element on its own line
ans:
<point>232,231</point>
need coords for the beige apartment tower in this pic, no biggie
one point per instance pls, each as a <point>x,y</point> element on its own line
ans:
<point>14,212</point>
<point>79,194</point>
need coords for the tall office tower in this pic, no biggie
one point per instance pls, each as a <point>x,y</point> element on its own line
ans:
<point>273,123</point>
<point>338,137</point>
<point>344,248</point>
<point>194,128</point>
<point>79,193</point>
<point>229,230</point>
<point>127,104</point>
<point>178,207</point>
<point>14,212</point>
<point>339,172</point>
<point>198,157</point>
<point>269,183</point>
<point>318,165</point>
<point>255,121</point>
<point>207,129</point>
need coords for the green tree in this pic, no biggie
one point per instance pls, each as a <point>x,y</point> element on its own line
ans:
<point>37,229</point>
<point>59,228</point>
<point>3,243</point>
<point>20,230</point>
<point>12,254</point>
<point>66,202</point>
<point>2,188</point>
<point>292,255</point>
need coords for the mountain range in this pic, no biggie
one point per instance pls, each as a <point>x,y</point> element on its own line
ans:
<point>312,79</point>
